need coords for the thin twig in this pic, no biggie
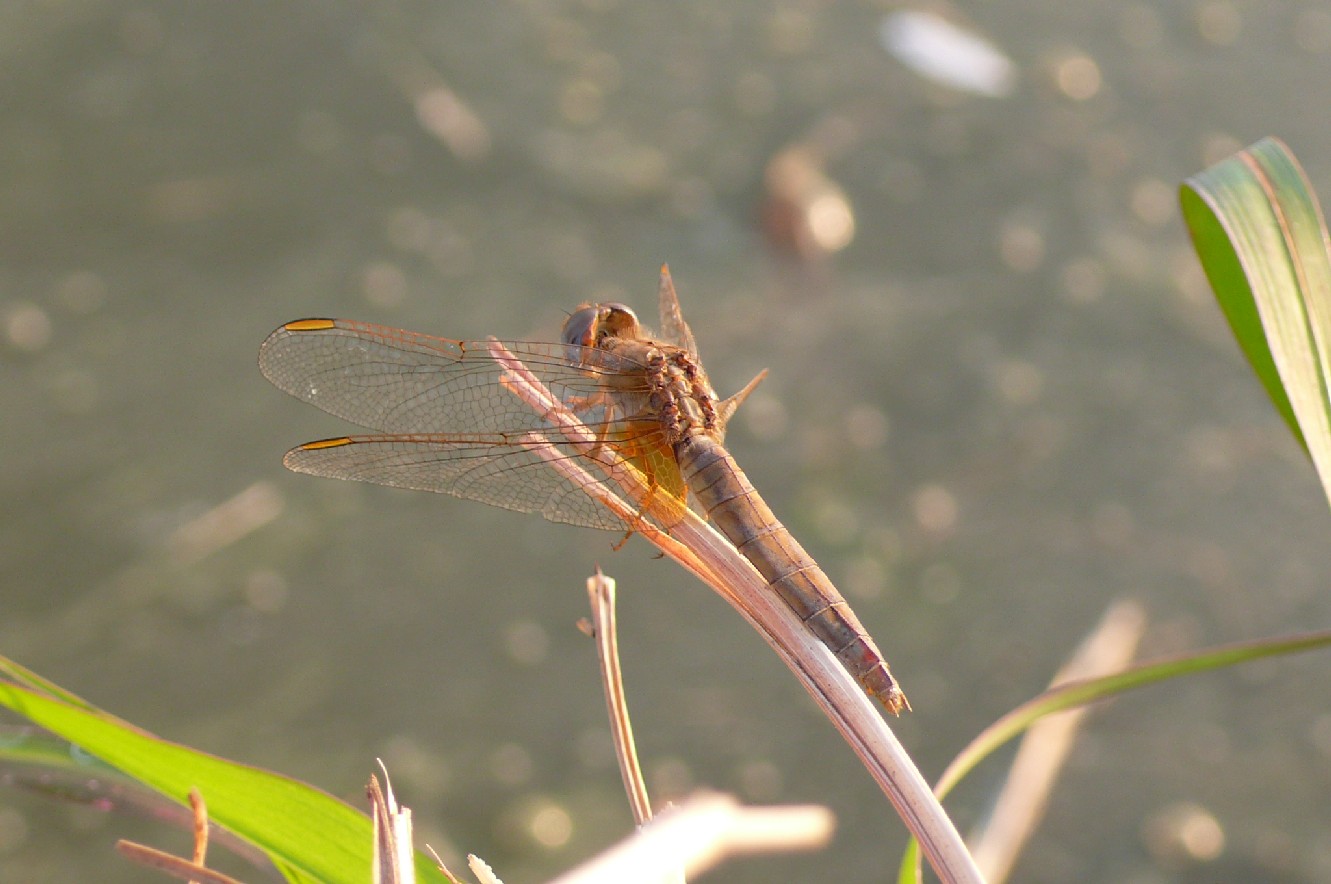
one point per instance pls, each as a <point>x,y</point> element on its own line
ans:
<point>481,869</point>
<point>700,833</point>
<point>394,855</point>
<point>601,590</point>
<point>200,809</point>
<point>193,870</point>
<point>170,864</point>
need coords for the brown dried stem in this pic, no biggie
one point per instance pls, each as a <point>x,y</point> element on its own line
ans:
<point>192,870</point>
<point>698,834</point>
<point>601,590</point>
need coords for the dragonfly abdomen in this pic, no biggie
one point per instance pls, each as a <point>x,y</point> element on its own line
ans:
<point>736,509</point>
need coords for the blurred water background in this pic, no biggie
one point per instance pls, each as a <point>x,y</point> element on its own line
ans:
<point>1008,402</point>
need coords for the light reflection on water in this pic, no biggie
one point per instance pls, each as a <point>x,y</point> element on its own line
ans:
<point>1006,403</point>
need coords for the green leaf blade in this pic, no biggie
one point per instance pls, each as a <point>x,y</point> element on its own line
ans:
<point>1259,232</point>
<point>1079,693</point>
<point>308,834</point>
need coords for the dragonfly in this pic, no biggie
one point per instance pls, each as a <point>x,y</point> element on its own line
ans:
<point>451,416</point>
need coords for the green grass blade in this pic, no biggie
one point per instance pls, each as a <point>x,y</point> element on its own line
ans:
<point>31,680</point>
<point>1077,693</point>
<point>308,834</point>
<point>1259,232</point>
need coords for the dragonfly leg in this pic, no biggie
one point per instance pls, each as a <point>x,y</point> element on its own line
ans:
<point>652,488</point>
<point>580,405</point>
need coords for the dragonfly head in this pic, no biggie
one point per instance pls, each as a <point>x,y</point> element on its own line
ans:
<point>593,323</point>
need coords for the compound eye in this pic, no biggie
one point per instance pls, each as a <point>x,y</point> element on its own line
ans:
<point>581,327</point>
<point>619,320</point>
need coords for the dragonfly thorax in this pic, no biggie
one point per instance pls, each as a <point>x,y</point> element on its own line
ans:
<point>676,394</point>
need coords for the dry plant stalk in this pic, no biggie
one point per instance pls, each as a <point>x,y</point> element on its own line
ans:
<point>601,590</point>
<point>192,870</point>
<point>394,856</point>
<point>700,833</point>
<point>484,874</point>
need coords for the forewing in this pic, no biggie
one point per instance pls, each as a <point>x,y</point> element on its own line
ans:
<point>401,382</point>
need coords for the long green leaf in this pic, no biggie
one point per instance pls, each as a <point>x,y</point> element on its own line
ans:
<point>1078,693</point>
<point>308,834</point>
<point>1259,232</point>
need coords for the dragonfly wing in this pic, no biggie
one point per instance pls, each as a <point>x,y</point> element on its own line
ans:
<point>652,457</point>
<point>489,469</point>
<point>673,327</point>
<point>401,382</point>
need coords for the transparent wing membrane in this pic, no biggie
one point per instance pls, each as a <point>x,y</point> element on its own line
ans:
<point>452,423</point>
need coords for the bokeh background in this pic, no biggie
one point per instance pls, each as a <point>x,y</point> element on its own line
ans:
<point>1007,403</point>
